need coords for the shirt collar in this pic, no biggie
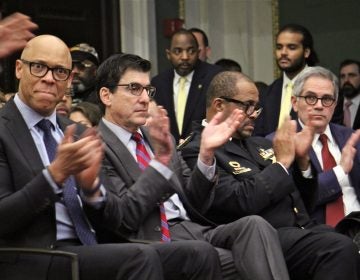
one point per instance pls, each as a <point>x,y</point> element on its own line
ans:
<point>355,101</point>
<point>123,134</point>
<point>286,79</point>
<point>188,77</point>
<point>30,116</point>
<point>327,132</point>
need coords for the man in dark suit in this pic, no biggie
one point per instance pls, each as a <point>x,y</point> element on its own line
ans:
<point>347,109</point>
<point>47,165</point>
<point>294,51</point>
<point>258,178</point>
<point>183,53</point>
<point>342,181</point>
<point>165,184</point>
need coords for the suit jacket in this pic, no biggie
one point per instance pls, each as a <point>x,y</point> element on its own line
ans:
<point>27,211</point>
<point>271,103</point>
<point>250,184</point>
<point>141,192</point>
<point>329,188</point>
<point>338,116</point>
<point>195,104</point>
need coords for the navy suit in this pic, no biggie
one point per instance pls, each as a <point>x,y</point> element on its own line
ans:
<point>329,188</point>
<point>271,103</point>
<point>195,104</point>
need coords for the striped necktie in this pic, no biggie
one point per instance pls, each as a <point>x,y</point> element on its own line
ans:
<point>143,159</point>
<point>71,201</point>
<point>334,209</point>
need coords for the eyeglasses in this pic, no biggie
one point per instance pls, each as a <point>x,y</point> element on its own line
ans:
<point>247,107</point>
<point>326,101</point>
<point>39,70</point>
<point>137,89</point>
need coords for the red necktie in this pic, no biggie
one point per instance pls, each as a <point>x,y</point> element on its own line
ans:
<point>143,159</point>
<point>334,209</point>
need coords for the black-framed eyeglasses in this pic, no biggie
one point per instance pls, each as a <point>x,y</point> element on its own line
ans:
<point>326,100</point>
<point>39,70</point>
<point>137,89</point>
<point>247,107</point>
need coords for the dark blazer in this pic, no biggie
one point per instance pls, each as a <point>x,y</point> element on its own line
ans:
<point>27,212</point>
<point>250,184</point>
<point>144,191</point>
<point>338,116</point>
<point>195,104</point>
<point>329,188</point>
<point>271,103</point>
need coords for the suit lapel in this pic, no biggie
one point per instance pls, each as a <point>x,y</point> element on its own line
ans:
<point>21,136</point>
<point>116,147</point>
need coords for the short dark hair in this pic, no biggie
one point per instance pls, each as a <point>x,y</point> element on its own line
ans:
<point>90,110</point>
<point>229,64</point>
<point>347,62</point>
<point>224,84</point>
<point>202,32</point>
<point>113,68</point>
<point>307,41</point>
<point>184,32</point>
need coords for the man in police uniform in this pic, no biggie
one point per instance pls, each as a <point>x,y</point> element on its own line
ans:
<point>275,182</point>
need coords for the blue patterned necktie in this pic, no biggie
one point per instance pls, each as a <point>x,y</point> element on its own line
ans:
<point>71,201</point>
<point>143,159</point>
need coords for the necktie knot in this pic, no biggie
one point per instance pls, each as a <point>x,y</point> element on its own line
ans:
<point>323,139</point>
<point>348,103</point>
<point>45,125</point>
<point>136,136</point>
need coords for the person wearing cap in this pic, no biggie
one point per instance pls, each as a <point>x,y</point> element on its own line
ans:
<point>85,62</point>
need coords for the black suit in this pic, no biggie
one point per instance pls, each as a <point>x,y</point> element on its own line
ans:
<point>27,218</point>
<point>250,184</point>
<point>143,191</point>
<point>195,104</point>
<point>271,103</point>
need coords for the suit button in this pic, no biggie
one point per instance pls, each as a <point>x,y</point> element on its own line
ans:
<point>157,228</point>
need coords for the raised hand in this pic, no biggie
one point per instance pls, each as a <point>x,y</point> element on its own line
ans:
<point>15,31</point>
<point>217,132</point>
<point>284,142</point>
<point>160,136</point>
<point>349,151</point>
<point>303,141</point>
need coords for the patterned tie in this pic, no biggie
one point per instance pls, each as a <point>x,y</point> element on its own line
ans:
<point>71,201</point>
<point>181,104</point>
<point>143,159</point>
<point>347,116</point>
<point>334,209</point>
<point>285,103</point>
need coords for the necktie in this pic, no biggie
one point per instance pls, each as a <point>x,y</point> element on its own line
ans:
<point>347,116</point>
<point>285,103</point>
<point>334,209</point>
<point>81,226</point>
<point>181,103</point>
<point>143,159</point>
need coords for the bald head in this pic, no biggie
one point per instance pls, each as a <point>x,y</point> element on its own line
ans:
<point>39,88</point>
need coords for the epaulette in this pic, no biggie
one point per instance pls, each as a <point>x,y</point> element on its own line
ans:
<point>186,141</point>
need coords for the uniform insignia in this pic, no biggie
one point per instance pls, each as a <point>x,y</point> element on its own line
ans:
<point>267,154</point>
<point>237,168</point>
<point>200,86</point>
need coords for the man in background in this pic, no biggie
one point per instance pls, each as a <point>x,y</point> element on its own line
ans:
<point>294,52</point>
<point>203,41</point>
<point>181,90</point>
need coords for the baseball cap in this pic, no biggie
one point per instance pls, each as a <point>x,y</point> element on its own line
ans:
<point>83,51</point>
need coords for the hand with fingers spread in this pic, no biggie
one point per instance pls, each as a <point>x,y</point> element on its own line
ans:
<point>349,151</point>
<point>284,142</point>
<point>15,31</point>
<point>160,137</point>
<point>81,158</point>
<point>217,132</point>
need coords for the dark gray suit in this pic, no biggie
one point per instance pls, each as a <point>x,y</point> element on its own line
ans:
<point>27,218</point>
<point>250,238</point>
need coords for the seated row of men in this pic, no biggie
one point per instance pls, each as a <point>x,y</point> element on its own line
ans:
<point>240,213</point>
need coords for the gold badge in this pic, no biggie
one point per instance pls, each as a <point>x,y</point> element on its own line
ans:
<point>267,154</point>
<point>238,169</point>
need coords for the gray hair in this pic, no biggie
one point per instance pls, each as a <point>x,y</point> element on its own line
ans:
<point>316,71</point>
